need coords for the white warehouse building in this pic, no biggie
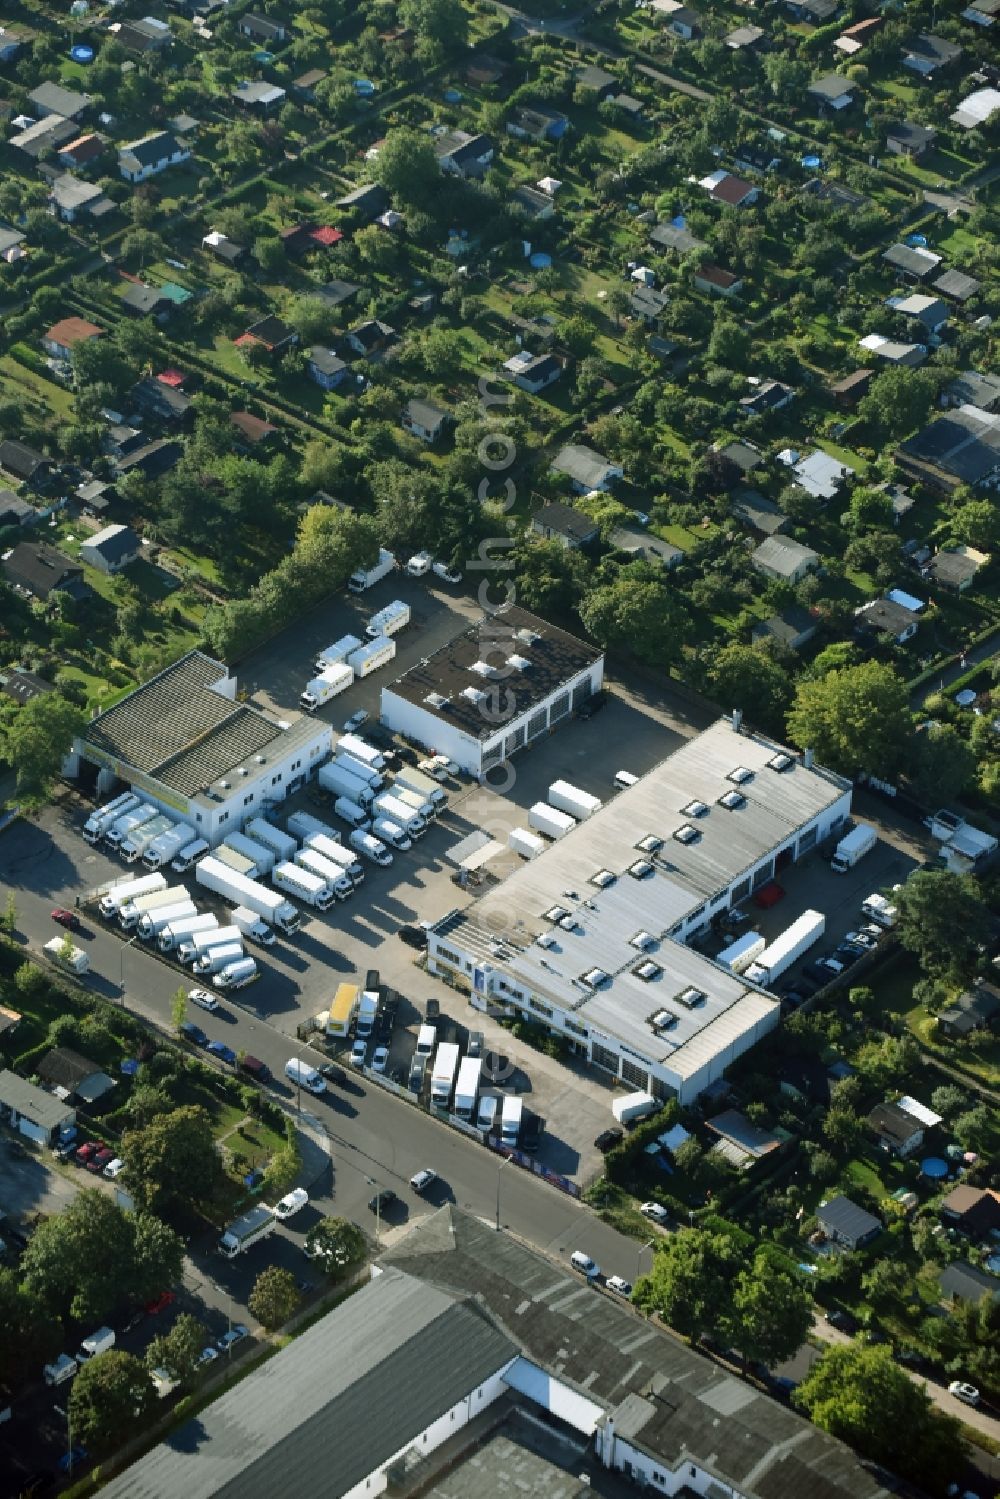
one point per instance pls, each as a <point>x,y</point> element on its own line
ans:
<point>185,743</point>
<point>589,938</point>
<point>496,687</point>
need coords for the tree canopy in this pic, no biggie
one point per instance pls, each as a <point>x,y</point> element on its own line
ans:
<point>336,1244</point>
<point>408,169</point>
<point>37,739</point>
<point>855,719</point>
<point>275,1297</point>
<point>110,1400</point>
<point>172,1160</point>
<point>637,614</point>
<point>943,920</point>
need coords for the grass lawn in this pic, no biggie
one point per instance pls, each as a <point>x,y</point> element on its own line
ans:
<point>52,395</point>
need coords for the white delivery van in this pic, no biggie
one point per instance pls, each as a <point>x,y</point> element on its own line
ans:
<point>510,1119</point>
<point>98,1342</point>
<point>623,779</point>
<point>304,1076</point>
<point>62,1369</point>
<point>426,1040</point>
<point>487,1112</point>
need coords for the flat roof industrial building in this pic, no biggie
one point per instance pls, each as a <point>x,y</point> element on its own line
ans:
<point>186,743</point>
<point>589,937</point>
<point>503,682</point>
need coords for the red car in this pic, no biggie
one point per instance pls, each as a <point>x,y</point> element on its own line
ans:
<point>86,1152</point>
<point>97,1162</point>
<point>66,918</point>
<point>161,1302</point>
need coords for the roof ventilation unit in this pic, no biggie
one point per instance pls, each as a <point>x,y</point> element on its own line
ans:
<point>603,878</point>
<point>641,869</point>
<point>526,637</point>
<point>695,809</point>
<point>594,978</point>
<point>242,771</point>
<point>482,668</point>
<point>435,700</point>
<point>474,695</point>
<point>647,971</point>
<point>663,1020</point>
<point>546,939</point>
<point>732,800</point>
<point>260,759</point>
<point>519,663</point>
<point>781,762</point>
<point>642,940</point>
<point>649,843</point>
<point>740,775</point>
<point>687,834</point>
<point>556,913</point>
<point>690,997</point>
<point>569,924</point>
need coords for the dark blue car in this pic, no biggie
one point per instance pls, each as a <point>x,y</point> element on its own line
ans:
<point>222,1051</point>
<point>193,1033</point>
<point>73,1459</point>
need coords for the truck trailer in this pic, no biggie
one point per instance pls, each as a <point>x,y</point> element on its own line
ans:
<point>214,959</point>
<point>119,895</point>
<point>526,843</point>
<point>130,915</point>
<point>401,812</point>
<point>786,949</point>
<point>367,577</point>
<point>414,800</point>
<point>423,784</point>
<point>168,847</point>
<point>239,863</point>
<point>738,956</point>
<point>251,926</point>
<point>119,830</point>
<point>467,1088</point>
<point>550,821</point>
<point>443,1075</point>
<point>852,847</point>
<point>360,769</point>
<point>270,906</point>
<point>137,842</point>
<point>388,621</point>
<point>151,923</point>
<point>568,798</point>
<point>360,749</point>
<point>370,657</point>
<point>307,887</point>
<point>333,778</point>
<point>175,932</point>
<point>99,821</point>
<point>274,838</point>
<point>189,855</point>
<point>338,854</point>
<point>193,946</point>
<point>330,683</point>
<point>246,1231</point>
<point>342,1010</point>
<point>262,855</point>
<point>328,871</point>
<point>337,652</point>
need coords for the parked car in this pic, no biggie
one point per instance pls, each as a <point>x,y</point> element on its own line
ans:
<point>193,1033</point>
<point>72,1460</point>
<point>235,1335</point>
<point>293,1202</point>
<point>423,1180</point>
<point>333,1073</point>
<point>100,1159</point>
<point>608,1139</point>
<point>619,1285</point>
<point>355,721</point>
<point>160,1303</point>
<point>962,1390</point>
<point>656,1211</point>
<point>203,999</point>
<point>206,1356</point>
<point>68,919</point>
<point>114,1168</point>
<point>584,1264</point>
<point>380,1059</point>
<point>475,1044</point>
<point>863,938</point>
<point>359,1052</point>
<point>86,1152</point>
<point>413,936</point>
<point>842,1321</point>
<point>446,574</point>
<point>531,1132</point>
<point>382,1201</point>
<point>222,1051</point>
<point>592,705</point>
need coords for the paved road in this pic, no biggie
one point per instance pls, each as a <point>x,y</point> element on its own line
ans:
<point>948,674</point>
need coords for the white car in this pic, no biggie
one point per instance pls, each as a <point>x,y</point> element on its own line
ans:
<point>423,1180</point>
<point>586,1266</point>
<point>446,574</point>
<point>434,769</point>
<point>619,1285</point>
<point>292,1203</point>
<point>355,721</point>
<point>203,999</point>
<point>656,1211</point>
<point>967,1393</point>
<point>380,1060</point>
<point>359,1052</point>
<point>450,766</point>
<point>114,1168</point>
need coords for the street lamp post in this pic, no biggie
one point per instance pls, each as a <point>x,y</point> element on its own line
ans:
<point>121,969</point>
<point>378,1209</point>
<point>650,1244</point>
<point>499,1170</point>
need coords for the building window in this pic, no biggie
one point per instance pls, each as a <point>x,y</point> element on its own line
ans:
<point>637,1076</point>
<point>574,1026</point>
<point>197,818</point>
<point>560,707</point>
<point>601,1056</point>
<point>808,840</point>
<point>276,780</point>
<point>661,1090</point>
<point>740,891</point>
<point>296,764</point>
<point>248,799</point>
<point>493,755</point>
<point>536,724</point>
<point>224,817</point>
<point>536,1004</point>
<point>449,956</point>
<point>762,875</point>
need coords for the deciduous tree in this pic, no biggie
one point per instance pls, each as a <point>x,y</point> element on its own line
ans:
<point>855,719</point>
<point>944,921</point>
<point>691,1281</point>
<point>177,1351</point>
<point>942,765</point>
<point>110,1400</point>
<point>275,1297</point>
<point>748,677</point>
<point>173,1160</point>
<point>336,1244</point>
<point>408,169</point>
<point>36,741</point>
<point>772,1310</point>
<point>637,614</point>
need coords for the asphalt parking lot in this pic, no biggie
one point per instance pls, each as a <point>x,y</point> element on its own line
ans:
<point>28,1188</point>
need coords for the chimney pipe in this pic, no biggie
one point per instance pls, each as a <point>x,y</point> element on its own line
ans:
<point>737,720</point>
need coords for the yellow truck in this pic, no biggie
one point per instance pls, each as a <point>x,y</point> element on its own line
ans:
<point>342,1011</point>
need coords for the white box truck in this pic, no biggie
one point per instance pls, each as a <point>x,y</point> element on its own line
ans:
<point>879,910</point>
<point>274,838</point>
<point>237,862</point>
<point>122,826</point>
<point>342,1011</point>
<point>151,923</point>
<point>262,855</point>
<point>388,621</point>
<point>307,887</point>
<point>137,842</point>
<point>399,811</point>
<point>467,1088</point>
<point>372,848</point>
<point>550,821</point>
<point>246,1231</point>
<point>526,843</point>
<point>236,975</point>
<point>443,1074</point>
<point>214,959</point>
<point>352,812</point>
<point>360,769</point>
<point>568,798</point>
<point>421,804</point>
<point>337,652</point>
<point>190,948</point>
<point>360,749</point>
<point>252,927</point>
<point>331,682</point>
<point>338,854</point>
<point>119,895</point>
<point>162,850</point>
<point>852,847</point>
<point>367,1014</point>
<point>738,956</point>
<point>426,1038</point>
<point>367,577</point>
<point>341,783</point>
<point>98,1342</point>
<point>422,784</point>
<point>392,834</point>
<point>172,935</point>
<point>250,893</point>
<point>71,959</point>
<point>189,855</point>
<point>303,824</point>
<point>130,914</point>
<point>331,873</point>
<point>629,1107</point>
<point>419,564</point>
<point>510,1120</point>
<point>369,658</point>
<point>99,821</point>
<point>780,954</point>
